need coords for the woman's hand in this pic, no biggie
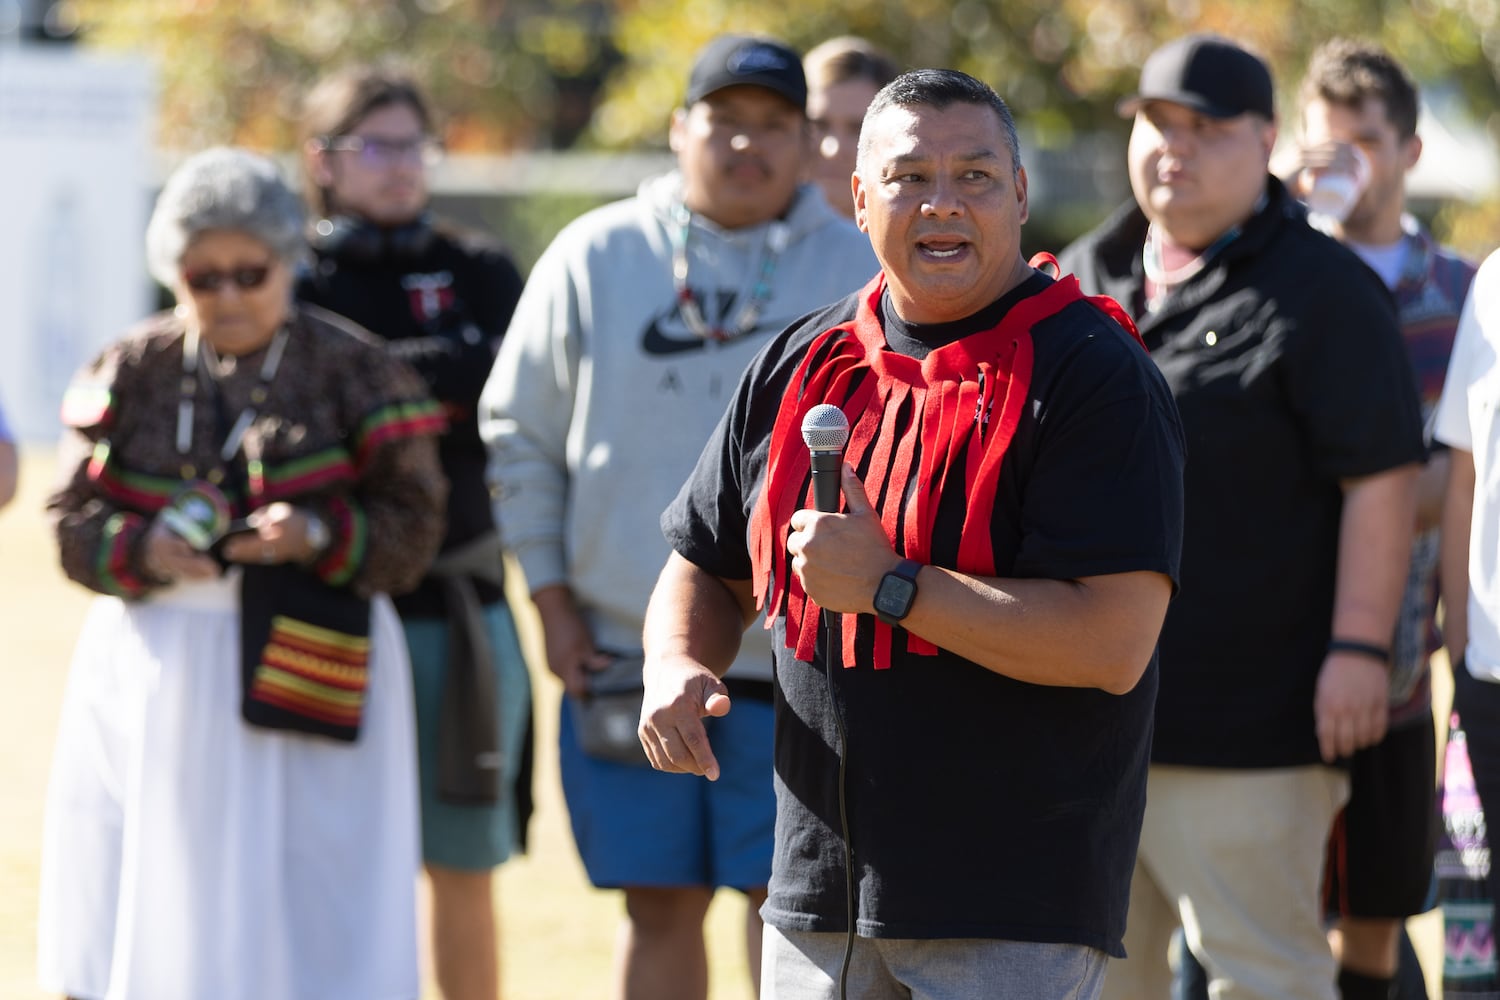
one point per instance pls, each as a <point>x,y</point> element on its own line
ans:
<point>279,535</point>
<point>169,558</point>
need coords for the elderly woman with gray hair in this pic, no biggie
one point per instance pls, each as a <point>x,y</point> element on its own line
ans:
<point>232,810</point>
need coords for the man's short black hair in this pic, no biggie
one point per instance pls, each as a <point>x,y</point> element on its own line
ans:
<point>1346,72</point>
<point>940,88</point>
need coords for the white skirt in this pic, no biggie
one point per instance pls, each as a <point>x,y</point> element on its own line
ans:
<point>188,855</point>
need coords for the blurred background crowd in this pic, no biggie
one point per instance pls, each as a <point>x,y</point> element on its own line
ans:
<point>550,108</point>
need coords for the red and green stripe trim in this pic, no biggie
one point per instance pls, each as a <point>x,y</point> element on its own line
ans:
<point>87,404</point>
<point>309,698</point>
<point>305,641</point>
<point>315,672</point>
<point>324,470</point>
<point>112,562</point>
<point>341,677</point>
<point>350,531</point>
<point>132,489</point>
<point>296,478</point>
<point>396,421</point>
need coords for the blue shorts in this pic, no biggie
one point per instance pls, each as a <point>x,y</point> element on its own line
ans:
<point>468,837</point>
<point>636,826</point>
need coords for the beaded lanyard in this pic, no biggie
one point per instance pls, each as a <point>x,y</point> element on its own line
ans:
<point>777,235</point>
<point>188,390</point>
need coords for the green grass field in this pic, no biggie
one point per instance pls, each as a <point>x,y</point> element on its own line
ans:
<point>557,931</point>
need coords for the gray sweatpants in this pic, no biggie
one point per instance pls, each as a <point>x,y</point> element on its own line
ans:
<point>804,965</point>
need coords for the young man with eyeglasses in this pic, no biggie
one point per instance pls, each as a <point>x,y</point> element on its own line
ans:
<point>441,300</point>
<point>626,347</point>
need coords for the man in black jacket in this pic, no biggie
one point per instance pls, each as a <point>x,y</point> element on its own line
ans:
<point>1304,437</point>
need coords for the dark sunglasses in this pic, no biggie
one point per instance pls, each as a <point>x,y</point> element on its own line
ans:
<point>244,278</point>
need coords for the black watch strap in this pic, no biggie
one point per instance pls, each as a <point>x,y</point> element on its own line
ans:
<point>897,592</point>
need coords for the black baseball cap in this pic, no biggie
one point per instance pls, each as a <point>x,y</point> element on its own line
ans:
<point>744,60</point>
<point>1207,73</point>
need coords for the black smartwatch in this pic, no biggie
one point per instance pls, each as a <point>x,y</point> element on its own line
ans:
<point>897,592</point>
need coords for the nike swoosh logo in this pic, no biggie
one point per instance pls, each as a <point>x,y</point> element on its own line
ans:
<point>658,342</point>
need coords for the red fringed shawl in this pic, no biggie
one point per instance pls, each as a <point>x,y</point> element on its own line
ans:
<point>963,399</point>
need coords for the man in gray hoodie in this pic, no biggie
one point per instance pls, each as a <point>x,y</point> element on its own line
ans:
<point>626,346</point>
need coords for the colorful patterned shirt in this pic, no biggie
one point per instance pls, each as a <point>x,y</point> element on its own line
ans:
<point>1430,297</point>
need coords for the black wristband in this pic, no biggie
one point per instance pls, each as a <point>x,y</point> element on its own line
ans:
<point>1370,649</point>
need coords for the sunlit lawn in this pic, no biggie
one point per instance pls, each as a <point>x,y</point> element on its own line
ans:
<point>557,931</point>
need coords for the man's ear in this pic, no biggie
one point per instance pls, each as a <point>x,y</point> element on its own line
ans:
<point>676,129</point>
<point>860,193</point>
<point>1268,137</point>
<point>1411,152</point>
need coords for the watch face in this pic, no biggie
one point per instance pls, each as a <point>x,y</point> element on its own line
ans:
<point>894,596</point>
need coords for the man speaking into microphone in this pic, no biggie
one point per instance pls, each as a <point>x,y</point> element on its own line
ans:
<point>972,637</point>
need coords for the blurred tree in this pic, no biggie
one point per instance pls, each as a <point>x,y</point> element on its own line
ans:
<point>1060,63</point>
<point>520,74</point>
<point>526,73</point>
<point>505,73</point>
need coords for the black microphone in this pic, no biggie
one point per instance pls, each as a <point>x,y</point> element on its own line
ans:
<point>825,430</point>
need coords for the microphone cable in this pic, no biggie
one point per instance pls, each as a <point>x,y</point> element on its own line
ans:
<point>844,836</point>
<point>825,431</point>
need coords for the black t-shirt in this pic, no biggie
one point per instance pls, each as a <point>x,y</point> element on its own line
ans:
<point>979,806</point>
<point>442,303</point>
<point>1286,360</point>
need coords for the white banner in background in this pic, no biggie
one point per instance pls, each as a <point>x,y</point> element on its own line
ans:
<point>75,184</point>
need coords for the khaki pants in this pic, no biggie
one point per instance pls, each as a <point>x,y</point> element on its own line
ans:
<point>1237,858</point>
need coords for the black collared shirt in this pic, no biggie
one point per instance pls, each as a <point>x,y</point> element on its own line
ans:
<point>1286,360</point>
